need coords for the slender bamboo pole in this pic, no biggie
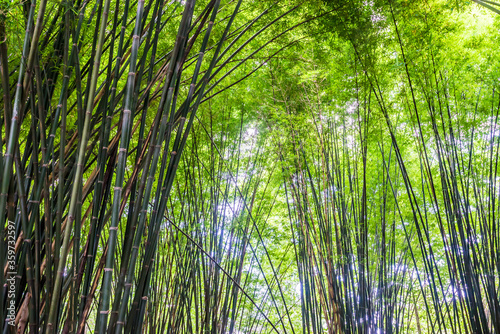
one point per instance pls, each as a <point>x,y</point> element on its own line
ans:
<point>52,325</point>
<point>127,119</point>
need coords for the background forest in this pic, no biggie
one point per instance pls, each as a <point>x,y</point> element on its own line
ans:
<point>237,166</point>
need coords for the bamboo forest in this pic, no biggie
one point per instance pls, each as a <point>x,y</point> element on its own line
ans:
<point>250,166</point>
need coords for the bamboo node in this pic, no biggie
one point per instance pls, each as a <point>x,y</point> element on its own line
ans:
<point>108,269</point>
<point>113,228</point>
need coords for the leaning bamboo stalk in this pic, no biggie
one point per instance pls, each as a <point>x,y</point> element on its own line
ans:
<point>62,144</point>
<point>127,119</point>
<point>4,72</point>
<point>27,247</point>
<point>7,161</point>
<point>51,325</point>
<point>34,42</point>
